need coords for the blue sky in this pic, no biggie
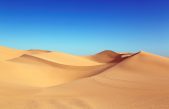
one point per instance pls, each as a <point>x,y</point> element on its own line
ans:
<point>86,26</point>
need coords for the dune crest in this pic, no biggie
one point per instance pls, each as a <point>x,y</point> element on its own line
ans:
<point>67,59</point>
<point>106,56</point>
<point>37,51</point>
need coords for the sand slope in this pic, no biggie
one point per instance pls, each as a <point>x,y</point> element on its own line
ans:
<point>7,53</point>
<point>67,59</point>
<point>46,80</point>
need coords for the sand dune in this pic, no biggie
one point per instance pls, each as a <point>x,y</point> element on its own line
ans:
<point>38,79</point>
<point>67,59</point>
<point>8,53</point>
<point>34,71</point>
<point>106,56</point>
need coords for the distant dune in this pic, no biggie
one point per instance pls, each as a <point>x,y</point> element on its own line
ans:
<point>41,79</point>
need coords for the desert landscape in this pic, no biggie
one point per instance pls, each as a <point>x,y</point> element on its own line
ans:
<point>41,79</point>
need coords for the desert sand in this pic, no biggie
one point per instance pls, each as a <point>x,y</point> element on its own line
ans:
<point>41,79</point>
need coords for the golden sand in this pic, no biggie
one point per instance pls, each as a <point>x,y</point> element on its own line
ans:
<point>40,79</point>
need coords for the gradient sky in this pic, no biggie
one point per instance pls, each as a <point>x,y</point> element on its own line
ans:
<point>86,26</point>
